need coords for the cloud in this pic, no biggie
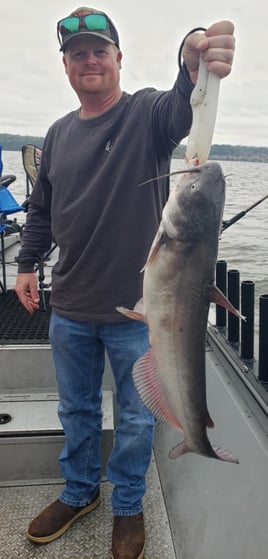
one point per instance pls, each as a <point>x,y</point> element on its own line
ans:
<point>35,91</point>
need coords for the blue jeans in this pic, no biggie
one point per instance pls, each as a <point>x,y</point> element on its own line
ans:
<point>78,350</point>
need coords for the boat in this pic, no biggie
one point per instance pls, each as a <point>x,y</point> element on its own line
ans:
<point>195,508</point>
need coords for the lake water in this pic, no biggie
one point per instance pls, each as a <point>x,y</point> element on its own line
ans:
<point>244,245</point>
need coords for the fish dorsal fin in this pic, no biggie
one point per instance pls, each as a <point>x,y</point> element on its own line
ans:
<point>150,389</point>
<point>136,314</point>
<point>139,307</point>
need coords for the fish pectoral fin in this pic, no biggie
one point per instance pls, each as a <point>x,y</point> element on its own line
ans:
<point>135,315</point>
<point>219,298</point>
<point>150,389</point>
<point>157,242</point>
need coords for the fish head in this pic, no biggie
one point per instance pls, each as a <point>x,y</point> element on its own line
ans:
<point>195,206</point>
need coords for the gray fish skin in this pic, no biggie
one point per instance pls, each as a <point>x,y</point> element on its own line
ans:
<point>177,290</point>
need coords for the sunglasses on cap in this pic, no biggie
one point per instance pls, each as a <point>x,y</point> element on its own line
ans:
<point>95,23</point>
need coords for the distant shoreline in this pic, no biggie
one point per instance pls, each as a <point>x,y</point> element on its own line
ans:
<point>220,152</point>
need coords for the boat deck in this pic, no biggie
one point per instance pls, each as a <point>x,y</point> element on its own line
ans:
<point>31,441</point>
<point>90,537</point>
<point>194,508</point>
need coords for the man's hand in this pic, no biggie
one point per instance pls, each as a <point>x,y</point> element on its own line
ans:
<point>216,47</point>
<point>27,291</point>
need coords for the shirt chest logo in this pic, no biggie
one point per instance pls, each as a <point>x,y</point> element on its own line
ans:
<point>108,146</point>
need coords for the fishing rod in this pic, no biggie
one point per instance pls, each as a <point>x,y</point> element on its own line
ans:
<point>235,218</point>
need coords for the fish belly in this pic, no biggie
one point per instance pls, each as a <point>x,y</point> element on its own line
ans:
<point>177,316</point>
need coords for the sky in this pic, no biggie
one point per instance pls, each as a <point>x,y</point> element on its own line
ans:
<point>34,90</point>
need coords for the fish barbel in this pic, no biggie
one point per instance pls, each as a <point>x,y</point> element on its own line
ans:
<point>178,287</point>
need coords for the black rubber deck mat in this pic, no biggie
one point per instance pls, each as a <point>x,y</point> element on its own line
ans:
<point>17,326</point>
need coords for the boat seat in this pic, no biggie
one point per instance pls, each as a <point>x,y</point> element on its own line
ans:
<point>31,159</point>
<point>6,180</point>
<point>8,205</point>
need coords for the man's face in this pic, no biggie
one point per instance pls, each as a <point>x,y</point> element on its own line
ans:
<point>92,65</point>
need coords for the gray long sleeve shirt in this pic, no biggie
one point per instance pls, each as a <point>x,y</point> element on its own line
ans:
<point>87,196</point>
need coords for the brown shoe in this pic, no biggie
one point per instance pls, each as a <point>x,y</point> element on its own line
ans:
<point>128,537</point>
<point>56,519</point>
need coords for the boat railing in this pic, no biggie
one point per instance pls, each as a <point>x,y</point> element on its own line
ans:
<point>236,337</point>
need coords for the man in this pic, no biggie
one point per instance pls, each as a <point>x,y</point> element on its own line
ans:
<point>87,196</point>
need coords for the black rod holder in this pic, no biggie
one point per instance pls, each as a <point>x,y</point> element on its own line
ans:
<point>263,338</point>
<point>221,283</point>
<point>247,327</point>
<point>233,296</point>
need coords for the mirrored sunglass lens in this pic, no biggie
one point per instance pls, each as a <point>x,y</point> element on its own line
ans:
<point>70,24</point>
<point>95,22</point>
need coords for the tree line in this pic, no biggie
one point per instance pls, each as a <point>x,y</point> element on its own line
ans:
<point>14,142</point>
<point>226,152</point>
<point>220,152</point>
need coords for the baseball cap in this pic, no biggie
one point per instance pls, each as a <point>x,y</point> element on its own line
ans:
<point>86,21</point>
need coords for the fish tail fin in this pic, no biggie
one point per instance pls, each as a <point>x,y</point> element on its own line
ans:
<point>178,450</point>
<point>225,455</point>
<point>215,452</point>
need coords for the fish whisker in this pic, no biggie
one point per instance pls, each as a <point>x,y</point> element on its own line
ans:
<point>191,170</point>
